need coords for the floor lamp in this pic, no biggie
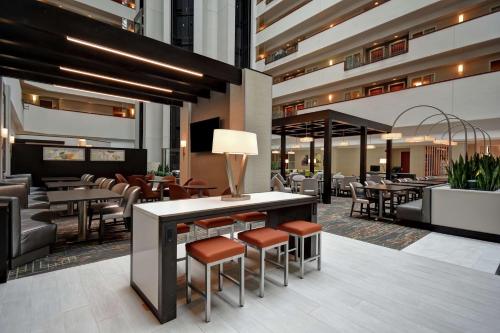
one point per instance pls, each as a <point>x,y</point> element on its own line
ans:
<point>231,142</point>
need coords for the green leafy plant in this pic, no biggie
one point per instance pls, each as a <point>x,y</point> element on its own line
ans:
<point>458,173</point>
<point>162,171</point>
<point>488,173</point>
<point>275,165</point>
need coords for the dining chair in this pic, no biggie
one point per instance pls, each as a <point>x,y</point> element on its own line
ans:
<point>120,179</point>
<point>96,207</point>
<point>119,214</point>
<point>344,186</point>
<point>278,186</point>
<point>399,195</point>
<point>309,187</point>
<point>177,192</point>
<point>147,191</point>
<point>297,182</point>
<point>187,182</point>
<point>358,197</point>
<point>99,180</point>
<point>170,179</point>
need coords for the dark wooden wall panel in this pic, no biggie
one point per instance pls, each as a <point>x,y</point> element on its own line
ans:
<point>28,158</point>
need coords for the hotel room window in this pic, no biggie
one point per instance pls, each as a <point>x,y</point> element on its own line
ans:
<point>376,91</point>
<point>397,47</point>
<point>422,80</point>
<point>352,61</point>
<point>397,86</point>
<point>376,54</point>
<point>495,65</point>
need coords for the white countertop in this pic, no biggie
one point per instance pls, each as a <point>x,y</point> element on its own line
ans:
<point>169,208</point>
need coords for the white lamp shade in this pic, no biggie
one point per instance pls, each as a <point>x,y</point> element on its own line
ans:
<point>383,161</point>
<point>234,142</point>
<point>4,132</point>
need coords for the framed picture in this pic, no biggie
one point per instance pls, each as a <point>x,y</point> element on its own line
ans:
<point>107,155</point>
<point>63,154</point>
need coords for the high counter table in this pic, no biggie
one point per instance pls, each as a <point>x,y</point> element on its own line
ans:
<point>153,273</point>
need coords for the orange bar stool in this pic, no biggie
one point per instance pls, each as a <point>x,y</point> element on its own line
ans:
<point>301,230</point>
<point>264,239</point>
<point>215,223</point>
<point>248,219</point>
<point>212,252</point>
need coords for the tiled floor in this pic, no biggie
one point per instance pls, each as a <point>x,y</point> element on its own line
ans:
<point>475,254</point>
<point>362,288</point>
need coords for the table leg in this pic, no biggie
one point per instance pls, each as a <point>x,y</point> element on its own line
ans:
<point>82,217</point>
<point>380,204</point>
<point>161,191</point>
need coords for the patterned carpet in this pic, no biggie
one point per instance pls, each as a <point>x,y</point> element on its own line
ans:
<point>334,218</point>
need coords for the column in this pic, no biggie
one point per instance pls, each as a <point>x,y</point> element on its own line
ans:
<point>327,161</point>
<point>311,157</point>
<point>363,135</point>
<point>283,152</point>
<point>388,157</point>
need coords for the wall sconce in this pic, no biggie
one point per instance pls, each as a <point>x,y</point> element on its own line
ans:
<point>330,97</point>
<point>330,63</point>
<point>34,98</point>
<point>460,18</point>
<point>183,147</point>
<point>132,112</point>
<point>286,161</point>
<point>4,132</point>
<point>82,142</point>
<point>12,139</point>
<point>460,69</point>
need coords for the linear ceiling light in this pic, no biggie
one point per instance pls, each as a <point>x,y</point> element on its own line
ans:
<point>100,93</point>
<point>132,56</point>
<point>104,77</point>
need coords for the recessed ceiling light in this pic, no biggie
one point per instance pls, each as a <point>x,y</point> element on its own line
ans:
<point>109,78</point>
<point>100,93</point>
<point>132,56</point>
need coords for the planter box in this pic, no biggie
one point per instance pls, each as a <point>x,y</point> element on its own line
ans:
<point>466,209</point>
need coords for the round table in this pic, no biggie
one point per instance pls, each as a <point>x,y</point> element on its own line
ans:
<point>161,185</point>
<point>200,188</point>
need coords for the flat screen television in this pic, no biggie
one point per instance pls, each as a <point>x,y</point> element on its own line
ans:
<point>202,134</point>
<point>375,168</point>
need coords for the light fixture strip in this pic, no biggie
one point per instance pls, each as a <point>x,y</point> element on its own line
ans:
<point>109,78</point>
<point>100,93</point>
<point>132,56</point>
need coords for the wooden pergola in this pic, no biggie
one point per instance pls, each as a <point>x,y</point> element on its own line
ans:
<point>326,125</point>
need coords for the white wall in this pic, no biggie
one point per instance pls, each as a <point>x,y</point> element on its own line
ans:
<point>214,24</point>
<point>467,34</point>
<point>77,124</point>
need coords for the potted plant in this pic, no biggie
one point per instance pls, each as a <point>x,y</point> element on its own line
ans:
<point>458,173</point>
<point>488,173</point>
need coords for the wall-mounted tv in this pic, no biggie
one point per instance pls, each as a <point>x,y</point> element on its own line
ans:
<point>202,134</point>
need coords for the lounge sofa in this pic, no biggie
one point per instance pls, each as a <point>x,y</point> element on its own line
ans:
<point>417,210</point>
<point>31,233</point>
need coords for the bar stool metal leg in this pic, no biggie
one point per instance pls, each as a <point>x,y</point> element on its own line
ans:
<point>188,281</point>
<point>301,257</point>
<point>261,272</point>
<point>318,253</point>
<point>208,294</point>
<point>241,261</point>
<point>286,265</point>
<point>221,271</point>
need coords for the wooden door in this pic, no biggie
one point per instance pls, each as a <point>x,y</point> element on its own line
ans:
<point>405,161</point>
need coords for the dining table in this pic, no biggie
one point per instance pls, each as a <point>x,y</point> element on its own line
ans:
<point>59,179</point>
<point>161,185</point>
<point>69,184</point>
<point>82,197</point>
<point>389,188</point>
<point>200,188</point>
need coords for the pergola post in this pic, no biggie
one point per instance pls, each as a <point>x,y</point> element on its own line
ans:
<point>311,157</point>
<point>283,152</point>
<point>363,134</point>
<point>388,159</point>
<point>327,160</point>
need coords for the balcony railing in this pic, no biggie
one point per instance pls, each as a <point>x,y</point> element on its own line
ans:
<point>285,110</point>
<point>272,56</point>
